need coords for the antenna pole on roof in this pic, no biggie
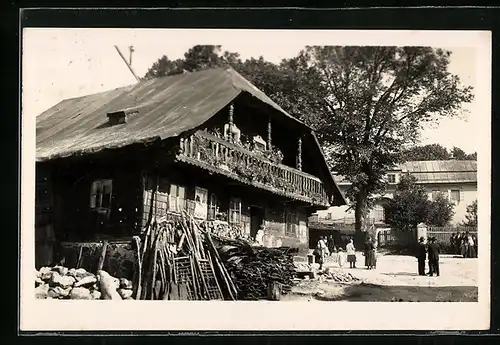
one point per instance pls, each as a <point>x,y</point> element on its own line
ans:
<point>128,65</point>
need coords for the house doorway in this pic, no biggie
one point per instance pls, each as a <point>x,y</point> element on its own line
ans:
<point>256,219</point>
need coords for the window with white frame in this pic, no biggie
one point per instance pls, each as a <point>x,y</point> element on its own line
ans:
<point>100,194</point>
<point>235,211</point>
<point>177,201</point>
<point>391,178</point>
<point>455,195</point>
<point>213,207</point>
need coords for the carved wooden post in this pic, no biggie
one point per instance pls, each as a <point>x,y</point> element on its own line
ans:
<point>269,130</point>
<point>299,154</point>
<point>231,113</point>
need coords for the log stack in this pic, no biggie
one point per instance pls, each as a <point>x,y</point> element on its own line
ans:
<point>255,269</point>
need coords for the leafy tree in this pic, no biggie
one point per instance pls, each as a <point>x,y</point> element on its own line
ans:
<point>409,206</point>
<point>440,211</point>
<point>365,103</point>
<point>429,152</point>
<point>471,215</point>
<point>458,154</point>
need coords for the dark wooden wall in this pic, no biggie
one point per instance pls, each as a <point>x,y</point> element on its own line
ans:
<point>273,206</point>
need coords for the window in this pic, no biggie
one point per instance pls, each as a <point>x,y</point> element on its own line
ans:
<point>100,195</point>
<point>292,223</point>
<point>235,211</point>
<point>455,196</point>
<point>213,207</point>
<point>391,178</point>
<point>177,198</point>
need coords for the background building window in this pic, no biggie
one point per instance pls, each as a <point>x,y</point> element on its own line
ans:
<point>235,211</point>
<point>100,195</point>
<point>455,196</point>
<point>391,178</point>
<point>177,198</point>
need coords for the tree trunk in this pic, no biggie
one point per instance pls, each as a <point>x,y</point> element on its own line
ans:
<point>360,213</point>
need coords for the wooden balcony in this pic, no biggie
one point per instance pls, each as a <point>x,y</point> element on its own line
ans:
<point>223,157</point>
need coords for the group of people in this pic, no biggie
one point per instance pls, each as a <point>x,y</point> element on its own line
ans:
<point>429,251</point>
<point>326,247</point>
<point>464,244</point>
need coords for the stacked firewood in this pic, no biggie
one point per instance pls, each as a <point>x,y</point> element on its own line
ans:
<point>253,270</point>
<point>224,229</point>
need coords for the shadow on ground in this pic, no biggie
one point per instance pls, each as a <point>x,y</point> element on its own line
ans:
<point>378,293</point>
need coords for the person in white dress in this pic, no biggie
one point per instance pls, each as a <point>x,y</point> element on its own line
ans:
<point>351,254</point>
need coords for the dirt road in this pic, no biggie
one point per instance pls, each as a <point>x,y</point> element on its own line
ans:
<point>395,278</point>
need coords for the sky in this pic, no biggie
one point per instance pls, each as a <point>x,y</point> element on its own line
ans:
<point>66,63</point>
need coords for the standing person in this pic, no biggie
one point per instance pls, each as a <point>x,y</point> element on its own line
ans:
<point>453,242</point>
<point>331,244</point>
<point>421,256</point>
<point>463,246</point>
<point>369,253</point>
<point>321,251</point>
<point>474,238</point>
<point>351,254</point>
<point>471,253</point>
<point>433,255</point>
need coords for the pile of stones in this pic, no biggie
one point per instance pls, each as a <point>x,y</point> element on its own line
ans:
<point>63,283</point>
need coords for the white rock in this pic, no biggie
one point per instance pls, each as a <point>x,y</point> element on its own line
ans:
<point>53,293</point>
<point>62,292</point>
<point>108,286</point>
<point>55,279</point>
<point>61,270</point>
<point>87,281</point>
<point>38,281</point>
<point>45,273</point>
<point>66,281</point>
<point>125,283</point>
<point>81,272</point>
<point>96,294</point>
<point>41,292</point>
<point>125,293</point>
<point>80,293</point>
<point>72,272</point>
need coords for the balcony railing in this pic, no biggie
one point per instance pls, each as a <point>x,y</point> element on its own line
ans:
<point>208,151</point>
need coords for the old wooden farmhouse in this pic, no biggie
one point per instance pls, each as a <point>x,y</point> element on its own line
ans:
<point>207,142</point>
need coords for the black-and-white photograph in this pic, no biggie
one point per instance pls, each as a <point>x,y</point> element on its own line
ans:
<point>251,165</point>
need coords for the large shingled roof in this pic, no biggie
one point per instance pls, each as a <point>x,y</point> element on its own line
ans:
<point>442,171</point>
<point>167,106</point>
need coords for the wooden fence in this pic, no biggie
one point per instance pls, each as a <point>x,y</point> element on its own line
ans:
<point>443,234</point>
<point>391,237</point>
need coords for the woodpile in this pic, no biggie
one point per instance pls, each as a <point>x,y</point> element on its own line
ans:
<point>256,271</point>
<point>62,283</point>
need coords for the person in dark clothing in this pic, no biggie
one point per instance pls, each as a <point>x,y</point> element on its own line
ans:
<point>331,245</point>
<point>370,259</point>
<point>421,256</point>
<point>433,257</point>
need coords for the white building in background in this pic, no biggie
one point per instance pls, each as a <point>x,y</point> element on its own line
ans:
<point>457,180</point>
